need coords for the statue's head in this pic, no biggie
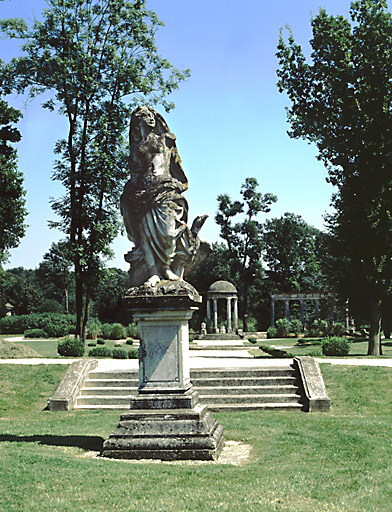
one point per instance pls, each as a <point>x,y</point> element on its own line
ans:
<point>145,120</point>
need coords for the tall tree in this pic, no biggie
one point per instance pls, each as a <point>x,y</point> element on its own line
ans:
<point>55,270</point>
<point>244,238</point>
<point>12,194</point>
<point>98,58</point>
<point>342,101</point>
<point>292,254</point>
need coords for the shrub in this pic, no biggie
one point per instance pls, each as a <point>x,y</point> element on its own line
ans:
<point>35,333</point>
<point>276,352</point>
<point>296,326</point>
<point>272,332</point>
<point>54,324</point>
<point>100,341</point>
<point>70,347</point>
<point>318,328</point>
<point>132,330</point>
<point>335,346</point>
<point>91,344</point>
<point>94,328</point>
<point>252,339</point>
<point>282,328</point>
<point>336,329</point>
<point>100,352</point>
<point>129,341</point>
<point>133,354</point>
<point>113,331</point>
<point>120,353</point>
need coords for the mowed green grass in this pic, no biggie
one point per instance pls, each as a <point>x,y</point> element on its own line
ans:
<point>338,461</point>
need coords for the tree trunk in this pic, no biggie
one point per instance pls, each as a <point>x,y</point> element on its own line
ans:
<point>78,300</point>
<point>66,297</point>
<point>86,316</point>
<point>374,347</point>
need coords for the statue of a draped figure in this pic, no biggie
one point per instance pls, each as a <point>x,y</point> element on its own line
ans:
<point>154,211</point>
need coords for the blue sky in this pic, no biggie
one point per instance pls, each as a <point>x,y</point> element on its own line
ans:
<point>229,119</point>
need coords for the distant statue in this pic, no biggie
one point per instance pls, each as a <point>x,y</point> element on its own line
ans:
<point>155,212</point>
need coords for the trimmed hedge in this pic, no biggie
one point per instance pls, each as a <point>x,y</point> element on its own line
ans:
<point>335,346</point>
<point>54,324</point>
<point>70,347</point>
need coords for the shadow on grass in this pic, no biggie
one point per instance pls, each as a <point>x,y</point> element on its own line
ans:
<point>89,443</point>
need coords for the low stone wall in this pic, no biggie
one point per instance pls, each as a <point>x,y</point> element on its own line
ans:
<point>315,393</point>
<point>67,391</point>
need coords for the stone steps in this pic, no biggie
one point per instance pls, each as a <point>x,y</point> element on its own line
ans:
<point>272,388</point>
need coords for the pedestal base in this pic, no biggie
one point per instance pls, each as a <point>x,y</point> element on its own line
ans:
<point>166,420</point>
<point>165,434</point>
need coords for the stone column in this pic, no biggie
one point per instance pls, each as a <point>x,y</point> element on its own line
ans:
<point>228,302</point>
<point>287,309</point>
<point>208,315</point>
<point>235,314</point>
<point>317,306</point>
<point>215,305</point>
<point>272,313</point>
<point>302,312</point>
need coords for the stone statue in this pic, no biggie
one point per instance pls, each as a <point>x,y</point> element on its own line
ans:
<point>154,211</point>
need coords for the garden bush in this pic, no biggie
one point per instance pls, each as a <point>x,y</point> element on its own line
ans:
<point>272,332</point>
<point>94,328</point>
<point>35,333</point>
<point>120,353</point>
<point>54,324</point>
<point>100,341</point>
<point>132,330</point>
<point>100,352</point>
<point>129,341</point>
<point>336,329</point>
<point>275,352</point>
<point>318,328</point>
<point>71,347</point>
<point>296,326</point>
<point>133,354</point>
<point>113,331</point>
<point>252,339</point>
<point>335,346</point>
<point>282,327</point>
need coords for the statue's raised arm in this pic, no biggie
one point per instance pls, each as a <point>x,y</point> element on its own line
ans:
<point>155,212</point>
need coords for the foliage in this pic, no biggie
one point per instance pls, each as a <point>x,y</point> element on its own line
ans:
<point>292,254</point>
<point>342,101</point>
<point>335,346</point>
<point>133,354</point>
<point>336,329</point>
<point>114,331</point>
<point>71,347</point>
<point>100,352</point>
<point>120,353</point>
<point>107,297</point>
<point>55,272</point>
<point>98,60</point>
<point>35,333</point>
<point>54,324</point>
<point>94,328</point>
<point>132,330</point>
<point>129,341</point>
<point>12,194</point>
<point>244,241</point>
<point>318,328</point>
<point>252,339</point>
<point>276,352</point>
<point>272,332</point>
<point>283,327</point>
<point>100,341</point>
<point>296,326</point>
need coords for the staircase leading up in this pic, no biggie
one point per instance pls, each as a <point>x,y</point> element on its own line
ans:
<point>236,389</point>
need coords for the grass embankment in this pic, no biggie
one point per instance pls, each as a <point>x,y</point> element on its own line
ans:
<point>338,461</point>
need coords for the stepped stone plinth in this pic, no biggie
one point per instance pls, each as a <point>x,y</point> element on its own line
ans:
<point>166,420</point>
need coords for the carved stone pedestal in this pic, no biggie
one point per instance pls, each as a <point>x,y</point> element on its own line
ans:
<point>166,420</point>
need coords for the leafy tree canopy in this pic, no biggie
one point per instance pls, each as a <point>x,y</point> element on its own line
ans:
<point>342,101</point>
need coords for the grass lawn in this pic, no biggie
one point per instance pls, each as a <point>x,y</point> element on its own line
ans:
<point>48,347</point>
<point>312,346</point>
<point>338,461</point>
